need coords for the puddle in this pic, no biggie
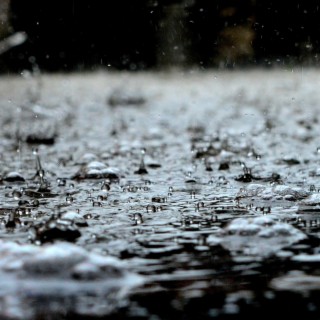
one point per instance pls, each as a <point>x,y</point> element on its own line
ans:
<point>118,190</point>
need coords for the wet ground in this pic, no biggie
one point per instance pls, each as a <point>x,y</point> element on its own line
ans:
<point>179,195</point>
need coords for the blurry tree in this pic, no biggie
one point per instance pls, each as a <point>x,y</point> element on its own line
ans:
<point>4,18</point>
<point>139,34</point>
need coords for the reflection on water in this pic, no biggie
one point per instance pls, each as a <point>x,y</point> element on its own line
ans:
<point>201,193</point>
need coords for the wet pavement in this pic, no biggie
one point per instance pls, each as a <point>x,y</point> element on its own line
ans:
<point>160,195</point>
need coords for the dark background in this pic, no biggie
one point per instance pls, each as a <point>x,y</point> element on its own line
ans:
<point>142,34</point>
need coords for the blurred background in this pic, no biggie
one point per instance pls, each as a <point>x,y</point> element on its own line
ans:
<point>68,35</point>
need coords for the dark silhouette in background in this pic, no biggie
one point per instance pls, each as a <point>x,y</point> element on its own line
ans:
<point>142,34</point>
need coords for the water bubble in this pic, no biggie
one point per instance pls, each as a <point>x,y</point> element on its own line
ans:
<point>35,203</point>
<point>14,177</point>
<point>170,189</point>
<point>258,157</point>
<point>88,216</point>
<point>318,150</point>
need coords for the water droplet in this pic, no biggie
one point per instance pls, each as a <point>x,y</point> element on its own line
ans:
<point>12,221</point>
<point>96,204</point>
<point>16,194</point>
<point>105,187</point>
<point>35,203</point>
<point>312,188</point>
<point>258,157</point>
<point>138,218</point>
<point>88,216</point>
<point>69,199</point>
<point>151,208</point>
<point>200,205</point>
<point>23,203</point>
<point>61,182</point>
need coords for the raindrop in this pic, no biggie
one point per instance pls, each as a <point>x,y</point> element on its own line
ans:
<point>35,203</point>
<point>61,182</point>
<point>142,168</point>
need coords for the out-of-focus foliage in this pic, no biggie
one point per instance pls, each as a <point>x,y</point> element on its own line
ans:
<point>140,34</point>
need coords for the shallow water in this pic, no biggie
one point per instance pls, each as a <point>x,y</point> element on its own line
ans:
<point>199,190</point>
